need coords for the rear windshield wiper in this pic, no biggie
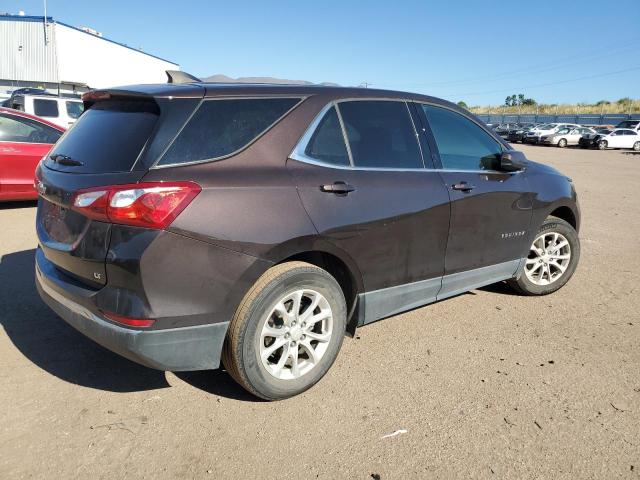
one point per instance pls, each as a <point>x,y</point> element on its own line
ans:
<point>65,160</point>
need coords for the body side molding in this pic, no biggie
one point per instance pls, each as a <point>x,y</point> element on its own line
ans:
<point>386,302</point>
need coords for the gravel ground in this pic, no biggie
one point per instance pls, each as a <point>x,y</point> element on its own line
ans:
<point>486,385</point>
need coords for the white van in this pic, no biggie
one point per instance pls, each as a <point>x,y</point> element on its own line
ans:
<point>59,110</point>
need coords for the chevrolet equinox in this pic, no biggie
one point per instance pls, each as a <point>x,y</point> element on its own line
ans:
<point>182,225</point>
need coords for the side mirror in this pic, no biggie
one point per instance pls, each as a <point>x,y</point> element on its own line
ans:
<point>509,161</point>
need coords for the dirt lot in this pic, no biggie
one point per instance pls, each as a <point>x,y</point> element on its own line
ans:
<point>487,384</point>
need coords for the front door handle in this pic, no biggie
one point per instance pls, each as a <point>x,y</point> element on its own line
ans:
<point>463,186</point>
<point>340,188</point>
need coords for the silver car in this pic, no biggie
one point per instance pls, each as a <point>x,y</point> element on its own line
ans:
<point>566,136</point>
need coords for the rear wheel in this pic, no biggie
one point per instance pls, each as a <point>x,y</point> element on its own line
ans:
<point>562,143</point>
<point>287,331</point>
<point>602,145</point>
<point>551,261</point>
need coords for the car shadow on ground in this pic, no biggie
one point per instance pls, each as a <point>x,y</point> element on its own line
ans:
<point>55,347</point>
<point>501,287</point>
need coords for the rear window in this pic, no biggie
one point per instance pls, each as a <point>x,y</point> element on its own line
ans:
<point>45,108</point>
<point>108,137</point>
<point>222,127</point>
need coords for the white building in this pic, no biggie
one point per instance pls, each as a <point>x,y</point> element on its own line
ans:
<point>35,52</point>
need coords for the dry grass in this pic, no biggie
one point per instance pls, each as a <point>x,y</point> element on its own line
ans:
<point>632,106</point>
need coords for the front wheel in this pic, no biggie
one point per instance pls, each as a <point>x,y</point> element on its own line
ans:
<point>287,331</point>
<point>562,143</point>
<point>602,145</point>
<point>636,146</point>
<point>551,261</point>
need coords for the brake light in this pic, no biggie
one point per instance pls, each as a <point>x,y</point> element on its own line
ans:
<point>129,321</point>
<point>149,204</point>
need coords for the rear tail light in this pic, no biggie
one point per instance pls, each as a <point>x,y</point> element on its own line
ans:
<point>150,204</point>
<point>129,321</point>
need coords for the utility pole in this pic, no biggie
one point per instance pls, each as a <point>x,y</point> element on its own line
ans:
<point>46,33</point>
<point>365,84</point>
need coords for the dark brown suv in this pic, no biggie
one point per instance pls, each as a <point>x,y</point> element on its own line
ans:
<point>181,225</point>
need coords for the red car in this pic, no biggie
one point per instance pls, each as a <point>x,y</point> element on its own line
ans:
<point>24,140</point>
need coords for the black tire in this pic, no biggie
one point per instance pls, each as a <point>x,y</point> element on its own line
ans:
<point>523,285</point>
<point>636,146</point>
<point>562,143</point>
<point>241,351</point>
<point>602,145</point>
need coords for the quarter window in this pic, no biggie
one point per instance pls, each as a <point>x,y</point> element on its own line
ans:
<point>327,143</point>
<point>45,108</point>
<point>462,144</point>
<point>222,127</point>
<point>381,134</point>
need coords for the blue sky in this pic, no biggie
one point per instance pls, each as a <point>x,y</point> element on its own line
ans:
<point>476,51</point>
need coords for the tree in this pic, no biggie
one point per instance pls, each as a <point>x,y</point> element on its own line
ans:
<point>518,100</point>
<point>603,102</point>
<point>624,101</point>
<point>462,104</point>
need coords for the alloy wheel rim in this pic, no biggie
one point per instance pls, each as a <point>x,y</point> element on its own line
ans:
<point>296,334</point>
<point>548,259</point>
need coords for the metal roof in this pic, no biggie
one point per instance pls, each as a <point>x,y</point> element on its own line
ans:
<point>35,18</point>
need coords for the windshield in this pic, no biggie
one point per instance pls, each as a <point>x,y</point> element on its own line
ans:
<point>563,130</point>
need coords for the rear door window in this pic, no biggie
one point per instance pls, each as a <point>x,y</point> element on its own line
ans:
<point>223,126</point>
<point>108,137</point>
<point>25,130</point>
<point>381,134</point>
<point>45,108</point>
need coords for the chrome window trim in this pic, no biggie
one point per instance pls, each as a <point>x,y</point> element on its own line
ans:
<point>299,154</point>
<point>155,166</point>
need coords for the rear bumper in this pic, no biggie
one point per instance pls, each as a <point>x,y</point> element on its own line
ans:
<point>174,349</point>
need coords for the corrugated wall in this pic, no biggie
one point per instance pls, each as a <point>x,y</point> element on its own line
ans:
<point>24,55</point>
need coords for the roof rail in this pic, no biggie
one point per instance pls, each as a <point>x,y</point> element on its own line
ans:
<point>176,76</point>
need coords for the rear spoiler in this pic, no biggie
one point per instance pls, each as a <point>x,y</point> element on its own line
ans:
<point>176,76</point>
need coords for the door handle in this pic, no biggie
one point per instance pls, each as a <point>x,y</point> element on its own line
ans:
<point>463,186</point>
<point>340,188</point>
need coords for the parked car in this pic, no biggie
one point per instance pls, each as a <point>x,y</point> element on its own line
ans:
<point>590,140</point>
<point>504,128</point>
<point>254,224</point>
<point>620,138</point>
<point>62,111</point>
<point>630,124</point>
<point>534,135</point>
<point>566,136</point>
<point>516,134</point>
<point>24,140</point>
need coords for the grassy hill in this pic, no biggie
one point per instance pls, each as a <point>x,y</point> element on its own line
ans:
<point>621,106</point>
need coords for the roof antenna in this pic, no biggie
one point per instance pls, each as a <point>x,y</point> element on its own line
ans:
<point>176,76</point>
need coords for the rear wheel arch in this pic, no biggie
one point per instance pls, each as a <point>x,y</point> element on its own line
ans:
<point>348,278</point>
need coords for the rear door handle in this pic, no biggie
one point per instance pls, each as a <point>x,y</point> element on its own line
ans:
<point>463,186</point>
<point>340,188</point>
